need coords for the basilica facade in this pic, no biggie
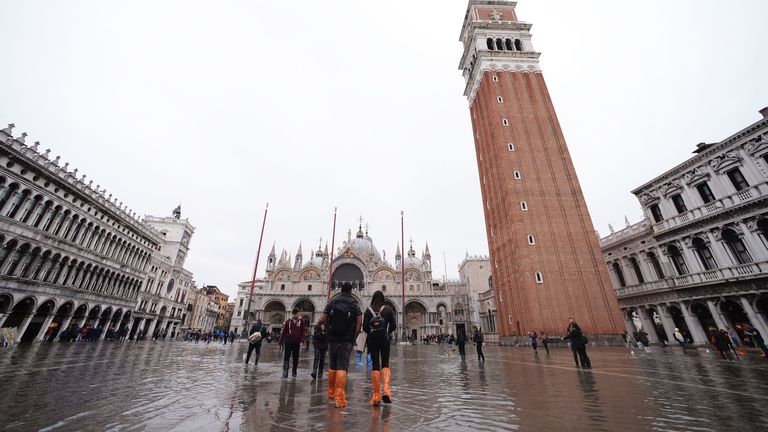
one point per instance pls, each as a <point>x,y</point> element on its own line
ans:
<point>431,306</point>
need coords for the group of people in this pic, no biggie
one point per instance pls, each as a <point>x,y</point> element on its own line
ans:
<point>86,333</point>
<point>726,342</point>
<point>535,341</point>
<point>341,322</point>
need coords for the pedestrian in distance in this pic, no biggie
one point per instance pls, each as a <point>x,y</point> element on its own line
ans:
<point>343,318</point>
<point>720,342</point>
<point>534,341</point>
<point>725,335</point>
<point>291,338</point>
<point>545,342</point>
<point>478,338</point>
<point>379,322</point>
<point>255,337</point>
<point>461,340</point>
<point>320,343</point>
<point>226,337</point>
<point>678,335</point>
<point>578,344</point>
<point>757,339</point>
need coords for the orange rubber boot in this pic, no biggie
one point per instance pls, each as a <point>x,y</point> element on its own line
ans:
<point>331,392</point>
<point>341,389</point>
<point>376,381</point>
<point>386,374</point>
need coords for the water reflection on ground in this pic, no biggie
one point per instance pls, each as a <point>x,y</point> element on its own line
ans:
<point>184,387</point>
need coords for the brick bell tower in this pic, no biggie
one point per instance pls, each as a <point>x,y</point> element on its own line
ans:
<point>545,257</point>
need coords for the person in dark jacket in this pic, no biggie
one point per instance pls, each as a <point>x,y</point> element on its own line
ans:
<point>478,338</point>
<point>291,338</point>
<point>344,319</point>
<point>461,340</point>
<point>320,343</point>
<point>578,344</point>
<point>257,327</point>
<point>720,342</point>
<point>757,339</point>
<point>379,322</point>
<point>545,342</point>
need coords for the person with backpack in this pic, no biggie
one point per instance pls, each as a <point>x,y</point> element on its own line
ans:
<point>379,322</point>
<point>320,342</point>
<point>255,336</point>
<point>290,339</point>
<point>578,344</point>
<point>343,318</point>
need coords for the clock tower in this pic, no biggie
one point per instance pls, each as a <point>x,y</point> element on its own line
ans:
<point>545,257</point>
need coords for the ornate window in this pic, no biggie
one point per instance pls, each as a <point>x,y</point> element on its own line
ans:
<point>656,265</point>
<point>656,213</point>
<point>705,192</point>
<point>636,268</point>
<point>619,274</point>
<point>679,203</point>
<point>518,45</point>
<point>736,246</point>
<point>704,254</point>
<point>737,179</point>
<point>677,260</point>
<point>489,43</point>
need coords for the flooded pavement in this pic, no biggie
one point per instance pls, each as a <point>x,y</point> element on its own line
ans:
<point>187,387</point>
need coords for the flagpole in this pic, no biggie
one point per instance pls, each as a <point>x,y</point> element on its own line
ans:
<point>330,262</point>
<point>246,327</point>
<point>402,267</point>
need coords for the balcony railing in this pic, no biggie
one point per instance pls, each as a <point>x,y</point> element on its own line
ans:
<point>741,271</point>
<point>749,194</point>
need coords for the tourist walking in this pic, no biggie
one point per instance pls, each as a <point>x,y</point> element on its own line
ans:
<point>679,338</point>
<point>757,339</point>
<point>291,337</point>
<point>255,337</point>
<point>320,343</point>
<point>379,322</point>
<point>478,338</point>
<point>343,318</point>
<point>726,336</point>
<point>545,342</point>
<point>461,340</point>
<point>534,341</point>
<point>720,342</point>
<point>578,344</point>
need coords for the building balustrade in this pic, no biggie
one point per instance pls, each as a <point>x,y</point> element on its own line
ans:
<point>695,279</point>
<point>752,193</point>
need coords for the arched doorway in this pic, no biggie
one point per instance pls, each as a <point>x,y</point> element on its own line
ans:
<point>679,319</point>
<point>348,273</point>
<point>79,315</point>
<point>415,319</point>
<point>761,308</point>
<point>38,320</point>
<point>306,308</point>
<point>701,311</point>
<point>20,311</point>
<point>274,315</point>
<point>104,320</point>
<point>736,317</point>
<point>59,320</point>
<point>93,316</point>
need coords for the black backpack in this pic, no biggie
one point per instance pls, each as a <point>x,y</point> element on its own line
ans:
<point>377,322</point>
<point>341,319</point>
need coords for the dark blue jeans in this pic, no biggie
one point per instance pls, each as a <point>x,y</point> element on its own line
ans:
<point>253,347</point>
<point>319,363</point>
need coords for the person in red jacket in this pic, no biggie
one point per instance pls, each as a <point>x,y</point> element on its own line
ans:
<point>291,338</point>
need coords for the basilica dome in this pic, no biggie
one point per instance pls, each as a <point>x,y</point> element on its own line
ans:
<point>411,261</point>
<point>362,246</point>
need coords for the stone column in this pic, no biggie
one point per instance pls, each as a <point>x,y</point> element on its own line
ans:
<point>138,328</point>
<point>24,324</point>
<point>694,326</point>
<point>754,245</point>
<point>717,315</point>
<point>65,322</point>
<point>754,317</point>
<point>667,322</point>
<point>3,317</point>
<point>41,334</point>
<point>648,325</point>
<point>151,329</point>
<point>722,258</point>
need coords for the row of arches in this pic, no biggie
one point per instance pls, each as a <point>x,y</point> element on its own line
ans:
<point>36,321</point>
<point>27,261</point>
<point>732,243</point>
<point>507,44</point>
<point>42,213</point>
<point>697,318</point>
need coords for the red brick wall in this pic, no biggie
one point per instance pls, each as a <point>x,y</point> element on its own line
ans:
<point>566,252</point>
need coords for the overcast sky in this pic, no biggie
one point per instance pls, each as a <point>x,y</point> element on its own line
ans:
<point>223,106</point>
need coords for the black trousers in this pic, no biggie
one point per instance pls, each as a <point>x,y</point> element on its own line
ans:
<point>480,354</point>
<point>462,351</point>
<point>339,353</point>
<point>319,362</point>
<point>291,350</point>
<point>378,348</point>
<point>251,348</point>
<point>580,355</point>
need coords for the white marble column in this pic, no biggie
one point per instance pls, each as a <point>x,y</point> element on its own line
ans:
<point>757,321</point>
<point>104,329</point>
<point>754,245</point>
<point>151,329</point>
<point>65,323</point>
<point>41,334</point>
<point>667,322</point>
<point>23,326</point>
<point>628,322</point>
<point>717,315</point>
<point>721,256</point>
<point>694,326</point>
<point>3,317</point>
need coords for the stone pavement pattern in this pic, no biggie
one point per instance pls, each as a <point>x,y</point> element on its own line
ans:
<point>188,387</point>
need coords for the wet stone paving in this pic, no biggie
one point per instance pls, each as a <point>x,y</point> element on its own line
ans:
<point>178,386</point>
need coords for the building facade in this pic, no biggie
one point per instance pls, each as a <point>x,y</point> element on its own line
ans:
<point>431,306</point>
<point>71,254</point>
<point>546,260</point>
<point>699,258</point>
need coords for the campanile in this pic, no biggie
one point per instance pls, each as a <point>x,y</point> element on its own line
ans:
<point>545,257</point>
